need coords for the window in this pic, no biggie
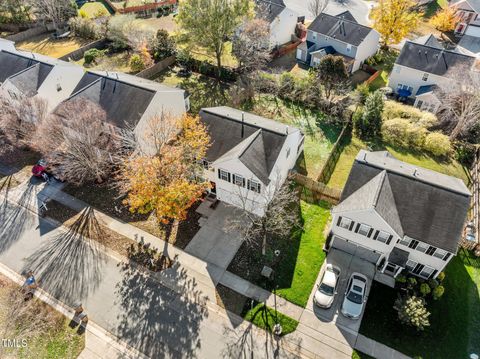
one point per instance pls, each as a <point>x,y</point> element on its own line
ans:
<point>425,77</point>
<point>413,244</point>
<point>426,272</point>
<point>431,250</point>
<point>344,222</point>
<point>224,175</point>
<point>383,237</point>
<point>205,164</point>
<point>363,229</point>
<point>288,152</point>
<point>419,104</point>
<point>440,253</point>
<point>254,186</point>
<point>410,265</point>
<point>405,241</point>
<point>422,247</point>
<point>239,180</point>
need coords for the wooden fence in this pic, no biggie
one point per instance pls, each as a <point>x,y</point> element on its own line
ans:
<point>313,191</point>
<point>79,53</point>
<point>332,159</point>
<point>474,212</point>
<point>154,70</point>
<point>372,77</point>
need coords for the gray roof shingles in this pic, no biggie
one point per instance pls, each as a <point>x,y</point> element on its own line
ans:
<point>340,28</point>
<point>433,60</point>
<point>29,81</point>
<point>12,64</point>
<point>269,9</point>
<point>226,131</point>
<point>430,206</point>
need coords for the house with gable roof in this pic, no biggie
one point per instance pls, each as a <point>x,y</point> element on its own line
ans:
<point>402,218</point>
<point>339,35</point>
<point>249,157</point>
<point>468,13</point>
<point>424,64</point>
<point>282,20</point>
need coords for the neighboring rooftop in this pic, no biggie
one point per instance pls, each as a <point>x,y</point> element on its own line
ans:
<point>470,43</point>
<point>341,28</point>
<point>11,64</point>
<point>422,204</point>
<point>123,103</point>
<point>428,40</point>
<point>269,9</point>
<point>29,80</point>
<point>256,141</point>
<point>474,4</point>
<point>433,60</point>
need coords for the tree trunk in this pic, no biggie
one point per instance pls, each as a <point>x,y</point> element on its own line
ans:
<point>219,63</point>
<point>264,244</point>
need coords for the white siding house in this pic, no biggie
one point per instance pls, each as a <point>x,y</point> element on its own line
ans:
<point>467,11</point>
<point>419,68</point>
<point>250,156</point>
<point>400,217</point>
<point>338,35</point>
<point>282,20</point>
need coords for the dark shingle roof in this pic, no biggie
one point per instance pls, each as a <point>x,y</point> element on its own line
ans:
<point>339,28</point>
<point>347,15</point>
<point>259,146</point>
<point>398,256</point>
<point>29,80</point>
<point>433,60</point>
<point>430,206</point>
<point>123,103</point>
<point>11,64</point>
<point>269,9</point>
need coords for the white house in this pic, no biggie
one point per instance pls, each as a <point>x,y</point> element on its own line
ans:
<point>338,35</point>
<point>282,20</point>
<point>400,217</point>
<point>421,66</point>
<point>467,11</point>
<point>250,156</point>
<point>130,101</point>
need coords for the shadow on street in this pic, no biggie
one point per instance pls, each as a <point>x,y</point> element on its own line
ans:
<point>156,320</point>
<point>70,264</point>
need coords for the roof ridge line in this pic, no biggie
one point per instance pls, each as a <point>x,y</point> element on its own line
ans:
<point>253,137</point>
<point>383,175</point>
<point>24,70</point>
<point>342,19</point>
<point>436,48</point>
<point>82,89</point>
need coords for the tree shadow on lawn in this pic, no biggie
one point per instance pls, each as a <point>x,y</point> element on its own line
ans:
<point>69,265</point>
<point>206,92</point>
<point>156,320</point>
<point>454,330</point>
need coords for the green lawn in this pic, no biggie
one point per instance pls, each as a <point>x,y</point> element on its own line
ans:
<point>455,320</point>
<point>433,7</point>
<point>95,9</point>
<point>266,318</point>
<point>350,151</point>
<point>359,355</point>
<point>385,67</point>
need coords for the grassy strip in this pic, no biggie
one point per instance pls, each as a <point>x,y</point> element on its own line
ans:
<point>359,355</point>
<point>265,317</point>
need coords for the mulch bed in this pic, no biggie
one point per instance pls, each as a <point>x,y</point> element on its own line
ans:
<point>230,300</point>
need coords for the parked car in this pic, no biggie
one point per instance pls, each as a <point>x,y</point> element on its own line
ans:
<point>355,296</point>
<point>327,288</point>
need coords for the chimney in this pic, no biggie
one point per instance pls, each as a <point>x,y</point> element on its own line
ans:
<point>243,120</point>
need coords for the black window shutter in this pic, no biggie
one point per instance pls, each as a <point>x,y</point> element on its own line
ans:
<point>447,256</point>
<point>433,274</point>
<point>219,174</point>
<point>248,184</point>
<point>418,268</point>
<point>389,239</point>
<point>229,177</point>
<point>243,182</point>
<point>376,235</point>
<point>430,250</point>
<point>358,226</point>
<point>370,232</point>
<point>339,221</point>
<point>351,225</point>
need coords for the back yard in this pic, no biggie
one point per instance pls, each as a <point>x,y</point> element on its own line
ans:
<point>454,330</point>
<point>117,62</point>
<point>44,44</point>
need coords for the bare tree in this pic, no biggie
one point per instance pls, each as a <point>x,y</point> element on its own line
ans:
<point>251,45</point>
<point>460,103</point>
<point>20,118</point>
<point>316,7</point>
<point>280,218</point>
<point>56,11</point>
<point>160,130</point>
<point>79,144</point>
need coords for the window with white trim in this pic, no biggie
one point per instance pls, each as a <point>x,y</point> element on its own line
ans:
<point>422,247</point>
<point>440,253</point>
<point>410,265</point>
<point>426,272</point>
<point>345,222</point>
<point>405,241</point>
<point>383,236</point>
<point>254,186</point>
<point>425,76</point>
<point>224,175</point>
<point>364,229</point>
<point>239,180</point>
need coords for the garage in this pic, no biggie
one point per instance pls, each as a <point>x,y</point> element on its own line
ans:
<point>357,251</point>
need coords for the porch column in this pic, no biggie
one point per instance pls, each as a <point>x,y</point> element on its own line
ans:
<point>399,269</point>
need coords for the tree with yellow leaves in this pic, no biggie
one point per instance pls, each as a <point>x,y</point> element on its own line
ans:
<point>167,183</point>
<point>445,20</point>
<point>394,19</point>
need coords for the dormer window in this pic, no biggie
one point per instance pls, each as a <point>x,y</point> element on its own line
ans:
<point>425,77</point>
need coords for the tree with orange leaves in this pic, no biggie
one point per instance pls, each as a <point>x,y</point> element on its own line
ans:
<point>168,183</point>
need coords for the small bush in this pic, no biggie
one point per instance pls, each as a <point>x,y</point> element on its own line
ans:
<point>412,281</point>
<point>100,13</point>
<point>433,283</point>
<point>425,289</point>
<point>438,144</point>
<point>427,120</point>
<point>287,84</point>
<point>441,276</point>
<point>438,292</point>
<point>136,63</point>
<point>362,91</point>
<point>401,279</point>
<point>394,109</point>
<point>412,311</point>
<point>394,131</point>
<point>92,55</point>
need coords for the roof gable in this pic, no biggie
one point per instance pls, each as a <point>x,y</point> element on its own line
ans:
<point>433,60</point>
<point>269,9</point>
<point>340,28</point>
<point>11,64</point>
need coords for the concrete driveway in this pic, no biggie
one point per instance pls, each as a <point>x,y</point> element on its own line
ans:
<point>359,8</point>
<point>348,264</point>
